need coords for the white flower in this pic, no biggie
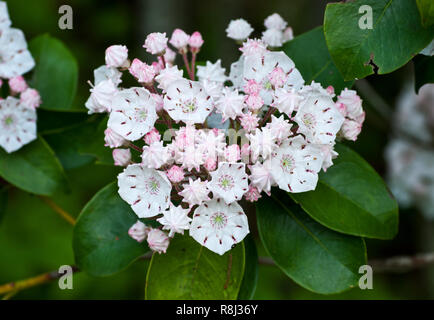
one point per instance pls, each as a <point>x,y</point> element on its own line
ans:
<point>101,97</point>
<point>273,37</point>
<point>351,129</point>
<point>239,29</point>
<point>212,88</point>
<point>318,119</point>
<point>230,104</point>
<point>157,241</point>
<point>116,56</point>
<point>146,190</point>
<point>156,43</point>
<point>133,113</point>
<point>17,124</point>
<point>105,73</point>
<point>229,181</point>
<point>195,192</point>
<point>287,101</point>
<point>15,59</point>
<point>155,155</point>
<point>187,101</point>
<point>30,98</point>
<point>280,128</point>
<point>5,22</point>
<point>259,68</point>
<point>218,226</point>
<point>262,143</point>
<point>275,21</point>
<point>211,142</point>
<point>139,231</point>
<point>295,165</point>
<point>212,72</point>
<point>175,220</point>
<point>260,176</point>
<point>167,76</point>
<point>236,73</point>
<point>191,157</point>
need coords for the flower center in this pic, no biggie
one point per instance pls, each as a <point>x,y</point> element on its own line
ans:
<point>189,106</point>
<point>226,182</point>
<point>141,114</point>
<point>309,120</point>
<point>287,163</point>
<point>218,220</point>
<point>267,85</point>
<point>8,120</point>
<point>153,186</point>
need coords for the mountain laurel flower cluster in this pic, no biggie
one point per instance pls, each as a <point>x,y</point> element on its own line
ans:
<point>18,109</point>
<point>230,136</point>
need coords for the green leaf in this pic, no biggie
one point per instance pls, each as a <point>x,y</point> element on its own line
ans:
<point>352,198</point>
<point>315,257</point>
<point>250,279</point>
<point>101,242</point>
<point>426,10</point>
<point>34,168</point>
<point>56,73</point>
<point>315,65</point>
<point>423,70</point>
<point>396,36</point>
<point>73,147</point>
<point>4,193</point>
<point>192,272</point>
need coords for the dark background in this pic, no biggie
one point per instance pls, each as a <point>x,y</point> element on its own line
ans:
<point>34,240</point>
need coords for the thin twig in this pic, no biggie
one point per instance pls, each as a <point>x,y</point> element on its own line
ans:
<point>401,264</point>
<point>16,286</point>
<point>398,264</point>
<point>65,215</point>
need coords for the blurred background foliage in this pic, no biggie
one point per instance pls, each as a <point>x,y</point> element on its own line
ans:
<point>34,240</point>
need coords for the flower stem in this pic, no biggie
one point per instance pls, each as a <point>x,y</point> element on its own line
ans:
<point>267,116</point>
<point>193,65</point>
<point>187,65</point>
<point>132,145</point>
<point>65,215</point>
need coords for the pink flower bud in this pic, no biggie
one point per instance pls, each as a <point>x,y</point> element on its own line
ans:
<point>112,139</point>
<point>179,40</point>
<point>254,101</point>
<point>17,84</point>
<point>232,153</point>
<point>195,41</point>
<point>330,90</point>
<point>288,34</point>
<point>156,43</point>
<point>210,164</point>
<point>351,129</point>
<point>175,174</point>
<point>158,100</point>
<point>252,195</point>
<point>277,77</point>
<point>30,98</point>
<point>169,56</point>
<point>158,241</point>
<point>143,72</point>
<point>245,150</point>
<point>122,157</point>
<point>252,87</point>
<point>116,56</point>
<point>152,136</point>
<point>139,231</point>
